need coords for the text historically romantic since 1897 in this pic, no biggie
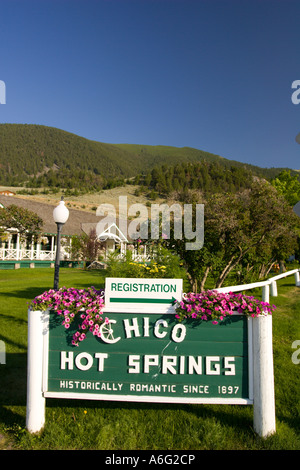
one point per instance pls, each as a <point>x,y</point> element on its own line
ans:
<point>146,388</point>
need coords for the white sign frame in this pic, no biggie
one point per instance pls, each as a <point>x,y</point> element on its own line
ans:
<point>260,369</point>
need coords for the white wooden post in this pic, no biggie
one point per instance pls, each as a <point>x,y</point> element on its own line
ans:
<point>36,403</point>
<point>274,291</point>
<point>18,248</point>
<point>296,275</point>
<point>52,248</point>
<point>263,377</point>
<point>38,250</point>
<point>32,248</point>
<point>266,293</point>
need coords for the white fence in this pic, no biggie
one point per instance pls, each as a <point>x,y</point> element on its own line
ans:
<point>263,367</point>
<point>269,286</point>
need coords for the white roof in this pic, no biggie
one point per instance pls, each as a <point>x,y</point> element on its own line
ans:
<point>112,233</point>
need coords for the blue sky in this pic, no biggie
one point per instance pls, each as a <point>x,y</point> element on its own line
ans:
<point>210,74</point>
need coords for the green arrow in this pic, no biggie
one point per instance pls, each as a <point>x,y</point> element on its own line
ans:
<point>146,301</point>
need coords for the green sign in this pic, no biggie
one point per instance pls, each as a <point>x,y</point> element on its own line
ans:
<point>157,295</point>
<point>152,357</point>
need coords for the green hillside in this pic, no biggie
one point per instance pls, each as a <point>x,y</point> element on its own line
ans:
<point>33,154</point>
<point>32,150</point>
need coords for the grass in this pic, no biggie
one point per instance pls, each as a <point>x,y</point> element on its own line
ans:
<point>79,424</point>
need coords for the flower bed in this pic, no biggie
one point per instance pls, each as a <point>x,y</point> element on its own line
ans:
<point>86,305</point>
<point>83,304</point>
<point>215,306</point>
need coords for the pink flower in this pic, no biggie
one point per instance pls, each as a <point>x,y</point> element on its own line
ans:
<point>215,305</point>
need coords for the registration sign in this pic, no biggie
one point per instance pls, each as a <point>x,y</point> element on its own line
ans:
<point>138,294</point>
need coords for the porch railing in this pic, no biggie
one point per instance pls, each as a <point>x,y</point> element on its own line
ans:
<point>7,254</point>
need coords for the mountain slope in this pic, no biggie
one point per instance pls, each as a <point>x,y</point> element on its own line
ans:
<point>30,151</point>
<point>27,150</point>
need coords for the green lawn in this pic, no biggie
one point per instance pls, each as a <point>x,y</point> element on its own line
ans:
<point>74,424</point>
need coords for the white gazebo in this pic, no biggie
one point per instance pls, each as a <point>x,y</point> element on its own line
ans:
<point>112,236</point>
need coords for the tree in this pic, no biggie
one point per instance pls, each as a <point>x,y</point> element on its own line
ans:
<point>252,222</point>
<point>288,186</point>
<point>86,247</point>
<point>92,246</point>
<point>247,230</point>
<point>26,222</point>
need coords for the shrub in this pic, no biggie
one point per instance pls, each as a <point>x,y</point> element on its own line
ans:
<point>163,264</point>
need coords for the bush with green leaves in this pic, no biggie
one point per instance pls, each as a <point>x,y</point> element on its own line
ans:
<point>163,264</point>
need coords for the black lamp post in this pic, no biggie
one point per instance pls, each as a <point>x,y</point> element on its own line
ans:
<point>60,216</point>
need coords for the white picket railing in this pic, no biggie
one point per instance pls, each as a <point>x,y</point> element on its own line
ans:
<point>8,254</point>
<point>269,286</point>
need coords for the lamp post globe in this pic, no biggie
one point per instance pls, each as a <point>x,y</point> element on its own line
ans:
<point>61,213</point>
<point>60,216</point>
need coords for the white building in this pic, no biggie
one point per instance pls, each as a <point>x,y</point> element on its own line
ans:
<point>44,249</point>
